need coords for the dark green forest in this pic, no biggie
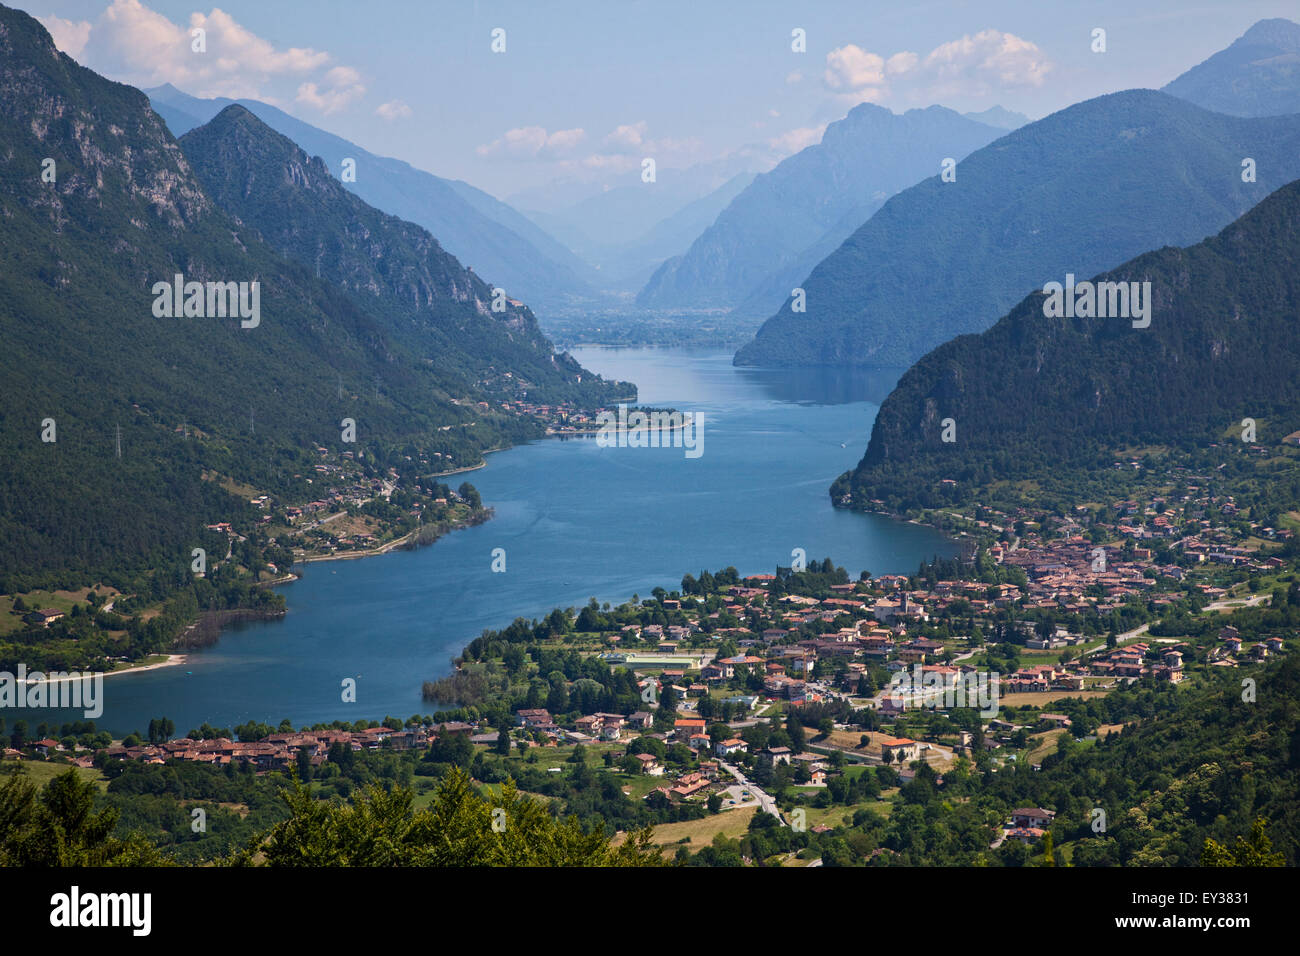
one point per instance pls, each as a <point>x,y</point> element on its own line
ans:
<point>1062,401</point>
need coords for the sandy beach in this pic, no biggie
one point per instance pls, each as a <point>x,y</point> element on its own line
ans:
<point>172,661</point>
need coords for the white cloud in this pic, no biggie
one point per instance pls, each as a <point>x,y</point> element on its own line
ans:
<point>135,44</point>
<point>792,78</point>
<point>563,140</point>
<point>614,163</point>
<point>70,36</point>
<point>901,63</point>
<point>393,110</point>
<point>529,142</point>
<point>974,65</point>
<point>986,62</point>
<point>342,88</point>
<point>792,141</point>
<point>628,136</point>
<point>852,71</point>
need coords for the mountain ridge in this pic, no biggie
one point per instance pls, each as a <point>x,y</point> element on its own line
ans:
<point>498,242</point>
<point>395,269</point>
<point>815,198</point>
<point>1094,185</point>
<point>1257,75</point>
<point>1036,394</point>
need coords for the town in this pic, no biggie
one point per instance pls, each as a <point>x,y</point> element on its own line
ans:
<point>798,693</point>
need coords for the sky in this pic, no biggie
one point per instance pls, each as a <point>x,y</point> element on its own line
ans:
<point>579,92</point>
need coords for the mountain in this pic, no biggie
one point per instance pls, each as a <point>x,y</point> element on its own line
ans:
<point>499,243</point>
<point>999,117</point>
<point>626,266</point>
<point>1035,396</point>
<point>594,218</point>
<point>1258,75</point>
<point>200,408</point>
<point>815,198</point>
<point>393,269</point>
<point>1079,191</point>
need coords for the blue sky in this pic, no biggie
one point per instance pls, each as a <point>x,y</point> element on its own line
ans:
<point>586,88</point>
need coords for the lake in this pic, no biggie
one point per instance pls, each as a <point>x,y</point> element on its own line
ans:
<point>576,520</point>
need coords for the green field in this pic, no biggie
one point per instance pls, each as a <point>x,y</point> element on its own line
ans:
<point>41,772</point>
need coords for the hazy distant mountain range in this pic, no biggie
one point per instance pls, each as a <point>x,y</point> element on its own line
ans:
<point>1258,75</point>
<point>625,233</point>
<point>999,117</point>
<point>1079,191</point>
<point>784,222</point>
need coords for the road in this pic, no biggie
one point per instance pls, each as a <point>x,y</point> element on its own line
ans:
<point>1213,606</point>
<point>765,801</point>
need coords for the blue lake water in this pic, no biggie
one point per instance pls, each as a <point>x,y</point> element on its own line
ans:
<point>576,521</point>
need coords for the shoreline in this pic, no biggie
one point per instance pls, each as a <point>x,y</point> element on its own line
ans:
<point>374,552</point>
<point>172,661</point>
<point>349,555</point>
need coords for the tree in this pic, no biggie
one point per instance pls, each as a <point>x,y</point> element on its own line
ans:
<point>794,728</point>
<point>628,763</point>
<point>59,827</point>
<point>1257,851</point>
<point>460,827</point>
<point>1048,858</point>
<point>160,730</point>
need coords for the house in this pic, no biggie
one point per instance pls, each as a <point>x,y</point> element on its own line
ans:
<point>641,719</point>
<point>893,705</point>
<point>687,785</point>
<point>534,717</point>
<point>1032,817</point>
<point>776,755</point>
<point>899,749</point>
<point>683,727</point>
<point>650,765</point>
<point>48,615</point>
<point>732,745</point>
<point>1025,834</point>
